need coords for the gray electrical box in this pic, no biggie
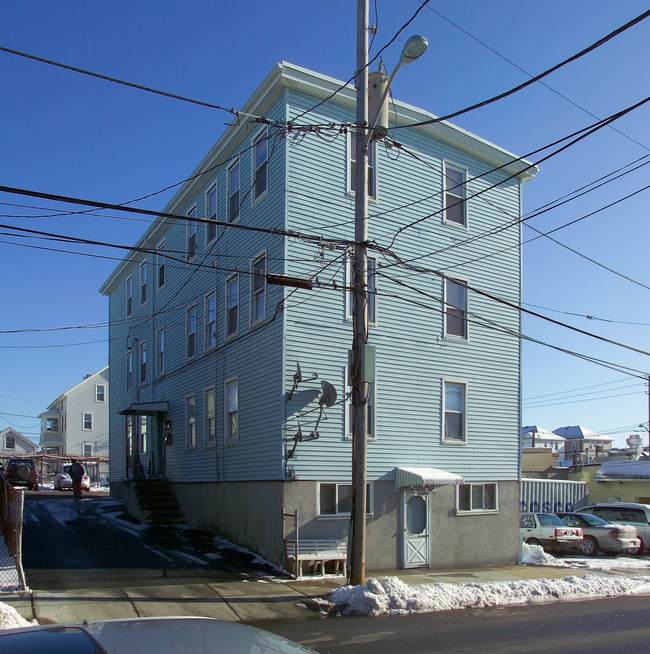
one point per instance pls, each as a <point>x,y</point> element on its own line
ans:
<point>369,363</point>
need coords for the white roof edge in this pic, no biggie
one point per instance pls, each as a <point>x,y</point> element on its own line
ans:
<point>415,477</point>
<point>287,75</point>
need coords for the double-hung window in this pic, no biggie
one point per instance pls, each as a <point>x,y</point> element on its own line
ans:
<point>100,392</point>
<point>129,370</point>
<point>143,363</point>
<point>210,313</point>
<point>260,164</point>
<point>371,289</point>
<point>455,308</point>
<point>477,497</point>
<point>258,290</point>
<point>454,410</point>
<point>210,427</point>
<point>352,168</point>
<point>455,195</point>
<point>232,411</point>
<point>233,192</point>
<point>336,499</point>
<point>192,244</point>
<point>191,332</point>
<point>232,305</point>
<point>143,282</point>
<point>190,421</point>
<point>87,421</point>
<point>87,449</point>
<point>129,296</point>
<point>211,214</point>
<point>160,345</point>
<point>161,264</point>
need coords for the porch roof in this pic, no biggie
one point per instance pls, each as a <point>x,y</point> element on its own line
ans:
<point>145,409</point>
<point>425,478</point>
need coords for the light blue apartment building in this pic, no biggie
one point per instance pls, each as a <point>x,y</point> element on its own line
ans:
<point>204,352</point>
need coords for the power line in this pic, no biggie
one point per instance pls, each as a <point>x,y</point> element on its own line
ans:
<point>590,399</point>
<point>518,67</point>
<point>573,390</point>
<point>505,94</point>
<point>589,316</point>
<point>114,80</point>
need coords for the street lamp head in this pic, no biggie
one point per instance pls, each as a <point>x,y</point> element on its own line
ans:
<point>414,48</point>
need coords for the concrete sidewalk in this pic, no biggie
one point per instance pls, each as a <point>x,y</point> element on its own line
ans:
<point>245,600</point>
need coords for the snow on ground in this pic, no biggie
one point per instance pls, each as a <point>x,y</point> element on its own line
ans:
<point>11,619</point>
<point>390,595</point>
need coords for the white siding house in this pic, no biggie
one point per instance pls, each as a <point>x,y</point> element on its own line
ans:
<point>13,443</point>
<point>76,423</point>
<point>205,366</point>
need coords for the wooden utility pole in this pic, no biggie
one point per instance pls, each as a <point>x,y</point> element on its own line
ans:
<point>360,307</point>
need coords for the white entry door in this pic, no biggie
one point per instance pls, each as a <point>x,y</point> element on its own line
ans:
<point>415,529</point>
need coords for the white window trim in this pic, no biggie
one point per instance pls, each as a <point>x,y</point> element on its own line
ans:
<point>129,373</point>
<point>256,199</point>
<point>206,345</point>
<point>338,516</point>
<point>234,334</point>
<point>235,163</point>
<point>129,295</point>
<point>144,282</point>
<point>192,225</point>
<point>143,348</point>
<point>160,369</point>
<point>96,388</point>
<point>447,335</point>
<point>83,448</point>
<point>473,511</point>
<point>255,321</point>
<point>206,443</point>
<point>188,444</point>
<point>373,199</point>
<point>347,434</point>
<point>226,414</point>
<point>160,262</point>
<point>465,172</point>
<point>212,187</point>
<point>83,421</point>
<point>447,441</point>
<point>188,356</point>
<point>349,294</point>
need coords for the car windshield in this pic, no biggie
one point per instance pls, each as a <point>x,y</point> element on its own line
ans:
<point>550,520</point>
<point>594,521</point>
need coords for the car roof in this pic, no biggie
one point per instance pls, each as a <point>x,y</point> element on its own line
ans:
<point>626,505</point>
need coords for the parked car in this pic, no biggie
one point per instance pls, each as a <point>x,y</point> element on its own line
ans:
<point>547,530</point>
<point>22,471</point>
<point>624,513</point>
<point>600,535</point>
<point>63,480</point>
<point>137,635</point>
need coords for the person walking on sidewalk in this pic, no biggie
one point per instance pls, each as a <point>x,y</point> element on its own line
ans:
<point>76,473</point>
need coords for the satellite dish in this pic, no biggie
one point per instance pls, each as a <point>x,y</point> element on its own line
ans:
<point>298,375</point>
<point>328,398</point>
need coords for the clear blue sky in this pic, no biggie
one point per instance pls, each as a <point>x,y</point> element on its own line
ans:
<point>64,133</point>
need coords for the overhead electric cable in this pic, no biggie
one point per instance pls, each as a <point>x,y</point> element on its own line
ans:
<point>106,78</point>
<point>505,94</point>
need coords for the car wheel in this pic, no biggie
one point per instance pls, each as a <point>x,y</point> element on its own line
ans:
<point>533,541</point>
<point>589,546</point>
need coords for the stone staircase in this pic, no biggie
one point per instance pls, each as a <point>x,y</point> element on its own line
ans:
<point>158,502</point>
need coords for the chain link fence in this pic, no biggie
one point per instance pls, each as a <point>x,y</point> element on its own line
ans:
<point>12,577</point>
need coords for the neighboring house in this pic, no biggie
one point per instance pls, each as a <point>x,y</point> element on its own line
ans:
<point>534,436</point>
<point>621,481</point>
<point>540,451</point>
<point>205,355</point>
<point>582,445</point>
<point>13,443</point>
<point>76,423</point>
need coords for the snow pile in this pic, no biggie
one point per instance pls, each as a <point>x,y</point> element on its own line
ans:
<point>11,619</point>
<point>535,555</point>
<point>392,596</point>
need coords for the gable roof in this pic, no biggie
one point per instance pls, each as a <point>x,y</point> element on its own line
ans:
<point>540,433</point>
<point>289,76</point>
<point>578,431</point>
<point>27,443</point>
<point>70,390</point>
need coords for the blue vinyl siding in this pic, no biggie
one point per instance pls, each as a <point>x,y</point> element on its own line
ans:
<point>413,358</point>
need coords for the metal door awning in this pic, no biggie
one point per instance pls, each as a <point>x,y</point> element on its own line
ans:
<point>425,478</point>
<point>145,409</point>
